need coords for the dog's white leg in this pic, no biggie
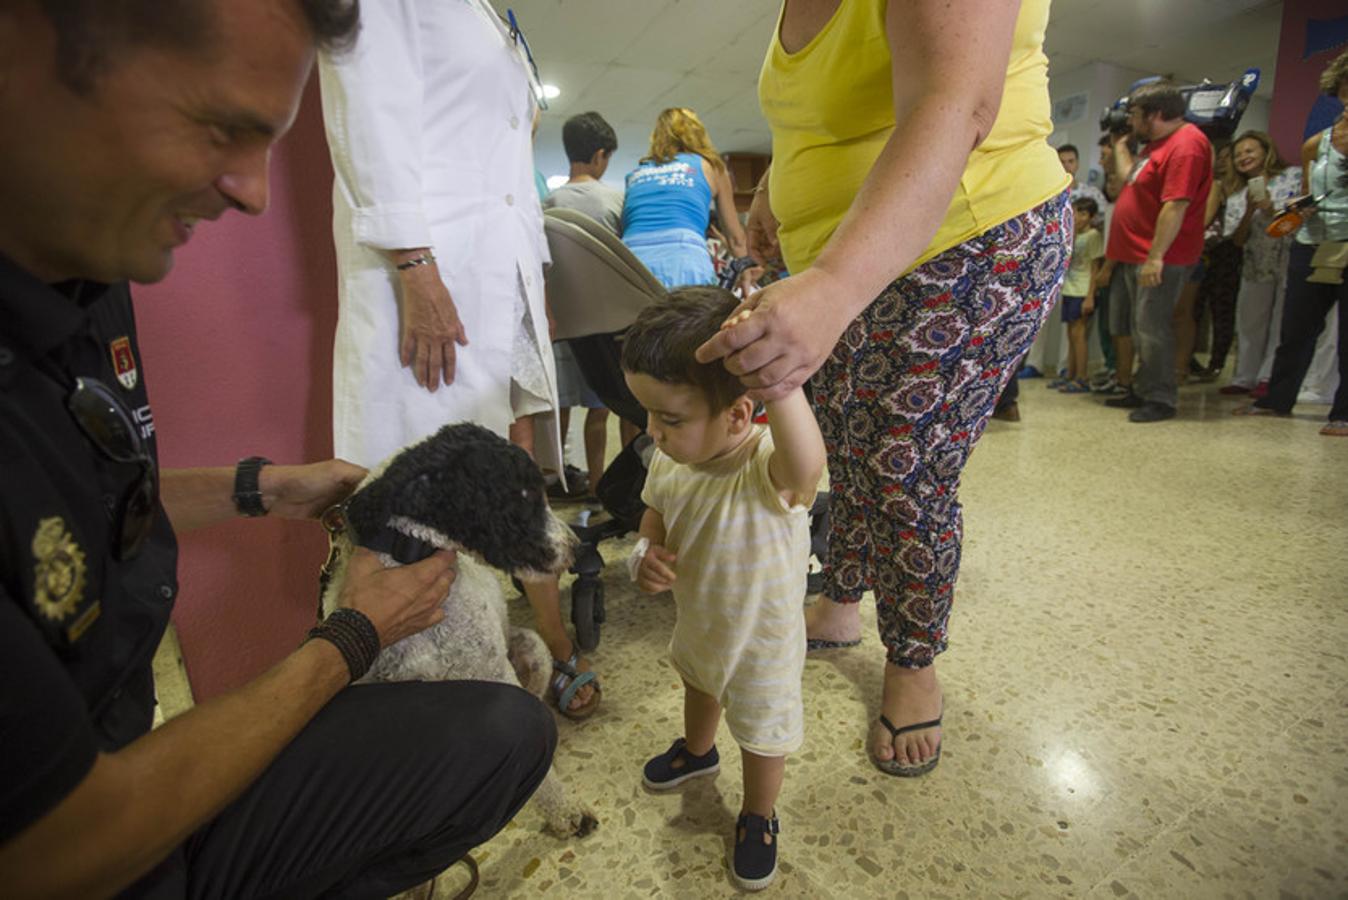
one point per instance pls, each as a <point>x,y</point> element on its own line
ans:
<point>530,658</point>
<point>562,818</point>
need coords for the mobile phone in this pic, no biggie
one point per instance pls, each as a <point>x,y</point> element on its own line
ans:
<point>1257,188</point>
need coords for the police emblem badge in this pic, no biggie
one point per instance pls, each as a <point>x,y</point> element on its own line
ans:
<point>123,362</point>
<point>58,578</point>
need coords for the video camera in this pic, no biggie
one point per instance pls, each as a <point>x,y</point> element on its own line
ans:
<point>1215,108</point>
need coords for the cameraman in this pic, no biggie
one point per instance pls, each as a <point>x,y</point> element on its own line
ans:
<point>1155,238</point>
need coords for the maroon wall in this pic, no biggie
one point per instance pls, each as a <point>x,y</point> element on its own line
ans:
<point>237,345</point>
<point>1313,33</point>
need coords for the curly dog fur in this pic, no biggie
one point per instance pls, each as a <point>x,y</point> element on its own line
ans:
<point>467,489</point>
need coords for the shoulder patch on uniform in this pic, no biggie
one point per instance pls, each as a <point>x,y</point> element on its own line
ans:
<point>58,577</point>
<point>124,362</point>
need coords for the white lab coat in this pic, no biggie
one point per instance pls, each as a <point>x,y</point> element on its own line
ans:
<point>428,118</point>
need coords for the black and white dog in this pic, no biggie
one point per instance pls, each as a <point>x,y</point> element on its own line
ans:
<point>465,488</point>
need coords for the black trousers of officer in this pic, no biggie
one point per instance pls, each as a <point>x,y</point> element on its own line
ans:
<point>1303,318</point>
<point>386,787</point>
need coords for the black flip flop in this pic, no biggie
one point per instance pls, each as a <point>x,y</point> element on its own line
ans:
<point>813,644</point>
<point>894,767</point>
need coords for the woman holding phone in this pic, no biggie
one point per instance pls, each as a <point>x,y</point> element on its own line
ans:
<point>1270,183</point>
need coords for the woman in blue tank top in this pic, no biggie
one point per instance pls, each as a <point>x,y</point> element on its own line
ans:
<point>669,198</point>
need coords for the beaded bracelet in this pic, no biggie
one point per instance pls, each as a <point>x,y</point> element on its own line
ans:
<point>354,636</point>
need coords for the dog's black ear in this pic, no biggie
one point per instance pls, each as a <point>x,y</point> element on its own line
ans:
<point>367,511</point>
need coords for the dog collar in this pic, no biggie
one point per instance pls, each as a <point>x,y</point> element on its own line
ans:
<point>402,547</point>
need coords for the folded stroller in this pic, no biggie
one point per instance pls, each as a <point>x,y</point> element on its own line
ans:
<point>596,287</point>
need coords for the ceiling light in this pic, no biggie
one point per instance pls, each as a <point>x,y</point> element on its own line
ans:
<point>550,91</point>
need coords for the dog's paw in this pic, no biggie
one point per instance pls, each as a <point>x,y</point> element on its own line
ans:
<point>578,822</point>
<point>588,823</point>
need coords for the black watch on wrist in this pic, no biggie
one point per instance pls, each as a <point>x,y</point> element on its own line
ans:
<point>247,496</point>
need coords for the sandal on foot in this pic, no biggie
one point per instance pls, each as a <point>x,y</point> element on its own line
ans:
<point>566,681</point>
<point>893,766</point>
<point>755,862</point>
<point>813,644</point>
<point>660,773</point>
<point>1335,428</point>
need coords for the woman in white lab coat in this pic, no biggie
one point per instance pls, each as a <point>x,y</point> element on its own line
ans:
<point>440,244</point>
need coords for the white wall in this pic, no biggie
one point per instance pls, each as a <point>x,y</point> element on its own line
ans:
<point>1102,83</point>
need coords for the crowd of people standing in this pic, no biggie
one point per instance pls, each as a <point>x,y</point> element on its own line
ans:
<point>1193,252</point>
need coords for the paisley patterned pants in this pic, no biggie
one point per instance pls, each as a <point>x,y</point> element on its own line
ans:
<point>901,402</point>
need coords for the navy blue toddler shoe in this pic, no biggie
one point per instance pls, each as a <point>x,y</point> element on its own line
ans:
<point>755,863</point>
<point>661,773</point>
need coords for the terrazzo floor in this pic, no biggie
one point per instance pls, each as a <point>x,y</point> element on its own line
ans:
<point>1146,692</point>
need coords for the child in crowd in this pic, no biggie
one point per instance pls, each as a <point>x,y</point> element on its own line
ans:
<point>726,528</point>
<point>1078,294</point>
<point>589,142</point>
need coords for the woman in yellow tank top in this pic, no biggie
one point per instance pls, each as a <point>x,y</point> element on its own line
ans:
<point>924,219</point>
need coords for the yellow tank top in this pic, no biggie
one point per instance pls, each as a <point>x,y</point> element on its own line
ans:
<point>831,110</point>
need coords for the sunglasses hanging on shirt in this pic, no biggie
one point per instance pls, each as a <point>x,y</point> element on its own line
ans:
<point>107,424</point>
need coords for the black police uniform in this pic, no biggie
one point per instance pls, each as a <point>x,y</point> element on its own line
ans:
<point>432,769</point>
<point>89,623</point>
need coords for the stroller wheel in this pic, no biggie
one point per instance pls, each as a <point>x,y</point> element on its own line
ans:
<point>584,604</point>
<point>599,612</point>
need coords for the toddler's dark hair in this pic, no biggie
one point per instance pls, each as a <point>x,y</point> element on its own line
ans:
<point>661,343</point>
<point>1092,208</point>
<point>585,134</point>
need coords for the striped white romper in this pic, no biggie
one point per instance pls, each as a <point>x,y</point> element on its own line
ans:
<point>742,554</point>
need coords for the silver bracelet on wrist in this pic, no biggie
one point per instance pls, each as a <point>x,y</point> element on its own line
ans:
<point>421,259</point>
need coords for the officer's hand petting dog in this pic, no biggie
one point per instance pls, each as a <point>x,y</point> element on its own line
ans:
<point>304,492</point>
<point>197,498</point>
<point>400,601</point>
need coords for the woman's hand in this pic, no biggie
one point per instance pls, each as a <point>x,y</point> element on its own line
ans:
<point>429,328</point>
<point>790,328</point>
<point>304,492</point>
<point>762,228</point>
